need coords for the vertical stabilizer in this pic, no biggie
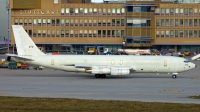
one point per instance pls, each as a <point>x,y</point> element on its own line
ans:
<point>25,45</point>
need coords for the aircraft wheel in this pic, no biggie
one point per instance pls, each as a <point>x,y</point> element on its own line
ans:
<point>174,76</point>
<point>97,75</point>
<point>103,75</point>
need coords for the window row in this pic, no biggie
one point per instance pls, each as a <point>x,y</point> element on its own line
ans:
<point>177,11</point>
<point>140,8</point>
<point>92,11</point>
<point>178,33</point>
<point>178,22</point>
<point>138,22</point>
<point>75,33</point>
<point>69,22</point>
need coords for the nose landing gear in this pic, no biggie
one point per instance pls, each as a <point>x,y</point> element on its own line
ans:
<point>174,75</point>
<point>100,75</point>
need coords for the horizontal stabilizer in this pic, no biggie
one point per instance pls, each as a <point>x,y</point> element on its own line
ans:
<point>195,57</point>
<point>19,57</point>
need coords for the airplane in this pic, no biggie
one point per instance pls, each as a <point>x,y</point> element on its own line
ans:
<point>99,65</point>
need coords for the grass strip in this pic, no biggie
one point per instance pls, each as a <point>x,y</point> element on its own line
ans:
<point>21,104</point>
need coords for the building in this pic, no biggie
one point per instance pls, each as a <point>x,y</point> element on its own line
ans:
<point>74,25</point>
<point>4,34</point>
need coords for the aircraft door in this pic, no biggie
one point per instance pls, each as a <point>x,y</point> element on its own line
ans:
<point>165,63</point>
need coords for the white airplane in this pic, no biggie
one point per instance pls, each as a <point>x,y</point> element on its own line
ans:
<point>99,65</point>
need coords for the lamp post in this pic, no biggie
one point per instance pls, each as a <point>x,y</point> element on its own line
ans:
<point>8,10</point>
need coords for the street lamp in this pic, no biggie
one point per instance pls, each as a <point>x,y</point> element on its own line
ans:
<point>8,10</point>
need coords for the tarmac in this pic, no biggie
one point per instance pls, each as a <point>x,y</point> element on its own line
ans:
<point>147,87</point>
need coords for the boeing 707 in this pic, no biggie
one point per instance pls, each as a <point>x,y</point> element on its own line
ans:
<point>99,65</point>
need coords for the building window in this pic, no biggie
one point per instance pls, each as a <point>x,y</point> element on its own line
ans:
<point>67,22</point>
<point>99,22</point>
<point>85,11</point>
<point>171,33</point>
<point>191,11</point>
<point>57,22</point>
<point>113,33</point>
<point>136,9</point>
<point>95,11</point>
<point>76,33</point>
<point>181,11</point>
<point>39,33</point>
<point>118,11</point>
<point>167,11</point>
<point>99,33</point>
<point>104,11</point>
<point>195,33</point>
<point>171,22</point>
<point>34,33</point>
<point>43,22</point>
<point>95,22</point>
<point>95,33</point>
<point>113,11</point>
<point>76,22</point>
<point>25,22</point>
<point>30,33</point>
<point>62,11</point>
<point>81,11</point>
<point>186,11</point>
<point>67,11</point>
<point>162,11</point>
<point>185,22</point>
<point>157,22</point>
<point>181,22</point>
<point>167,33</point>
<point>85,33</point>
<point>58,33</point>
<point>122,33</point>
<point>185,33</point>
<point>162,22</point>
<point>190,22</point>
<point>104,22</point>
<point>167,22</point>
<point>52,33</point>
<point>30,22</point>
<point>66,33</point>
<point>157,33</point>
<point>62,22</point>
<point>71,33</point>
<point>123,11</point>
<point>43,33</point>
<point>108,33</point>
<point>16,21</point>
<point>118,33</point>
<point>71,11</point>
<point>81,22</point>
<point>90,33</point>
<point>20,21</point>
<point>190,33</point>
<point>195,11</point>
<point>71,22</point>
<point>199,33</point>
<point>177,11</point>
<point>122,23</point>
<point>176,22</point>
<point>109,12</point>
<point>157,11</point>
<point>81,33</point>
<point>181,33</point>
<point>90,11</point>
<point>48,33</point>
<point>113,22</point>
<point>62,33</point>
<point>176,33</point>
<point>76,11</point>
<point>39,22</point>
<point>162,33</point>
<point>129,8</point>
<point>53,22</point>
<point>85,22</point>
<point>99,13</point>
<point>195,22</point>
<point>118,22</point>
<point>90,22</point>
<point>35,22</point>
<point>108,23</point>
<point>171,11</point>
<point>104,33</point>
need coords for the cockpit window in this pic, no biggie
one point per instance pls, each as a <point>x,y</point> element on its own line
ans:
<point>186,61</point>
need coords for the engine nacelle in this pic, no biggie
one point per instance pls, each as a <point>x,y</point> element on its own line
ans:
<point>101,70</point>
<point>120,71</point>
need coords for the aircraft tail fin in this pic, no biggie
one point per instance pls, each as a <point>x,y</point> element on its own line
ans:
<point>25,45</point>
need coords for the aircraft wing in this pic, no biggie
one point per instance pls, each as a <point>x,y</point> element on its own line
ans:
<point>80,65</point>
<point>19,57</point>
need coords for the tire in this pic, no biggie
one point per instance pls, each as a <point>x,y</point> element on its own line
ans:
<point>97,75</point>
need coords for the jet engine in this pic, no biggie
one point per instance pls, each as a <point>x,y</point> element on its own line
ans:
<point>118,71</point>
<point>109,71</point>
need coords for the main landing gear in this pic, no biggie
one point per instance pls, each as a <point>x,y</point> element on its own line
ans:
<point>100,75</point>
<point>174,75</point>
